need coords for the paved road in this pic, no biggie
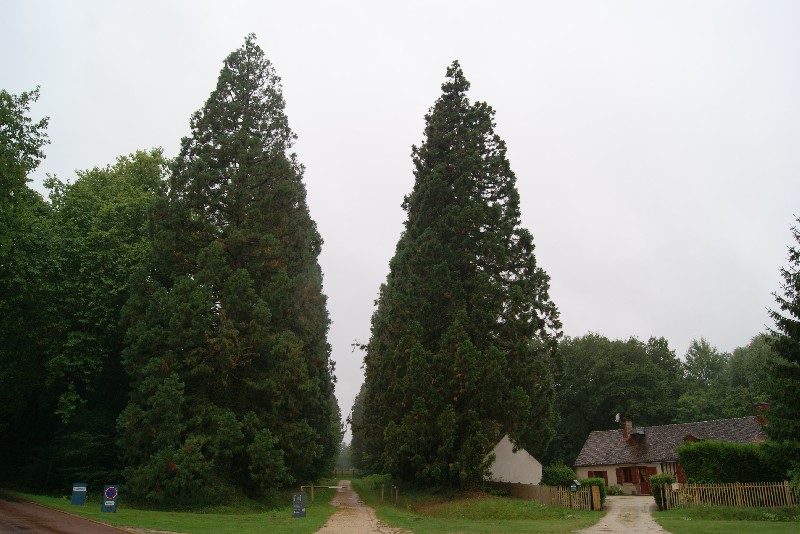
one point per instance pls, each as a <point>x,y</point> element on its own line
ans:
<point>21,516</point>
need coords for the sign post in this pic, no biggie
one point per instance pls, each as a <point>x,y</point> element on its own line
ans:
<point>79,493</point>
<point>110,496</point>
<point>298,505</point>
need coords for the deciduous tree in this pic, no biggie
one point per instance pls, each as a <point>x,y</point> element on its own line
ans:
<point>26,414</point>
<point>602,378</point>
<point>101,238</point>
<point>722,386</point>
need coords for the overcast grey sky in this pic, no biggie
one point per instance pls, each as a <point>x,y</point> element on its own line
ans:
<point>656,144</point>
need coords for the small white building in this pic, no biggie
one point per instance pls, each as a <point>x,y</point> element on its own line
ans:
<point>510,466</point>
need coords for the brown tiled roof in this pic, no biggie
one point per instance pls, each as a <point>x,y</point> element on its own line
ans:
<point>658,443</point>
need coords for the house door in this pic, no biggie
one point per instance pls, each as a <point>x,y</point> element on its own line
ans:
<point>644,479</point>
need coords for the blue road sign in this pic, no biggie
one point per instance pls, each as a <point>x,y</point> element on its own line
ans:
<point>79,493</point>
<point>109,501</point>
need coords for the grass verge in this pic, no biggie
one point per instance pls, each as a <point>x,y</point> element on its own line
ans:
<point>430,513</point>
<point>241,519</point>
<point>726,519</point>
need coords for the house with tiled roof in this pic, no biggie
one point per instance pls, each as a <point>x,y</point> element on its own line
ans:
<point>630,455</point>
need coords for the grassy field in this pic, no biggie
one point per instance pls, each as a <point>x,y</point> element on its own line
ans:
<point>723,520</point>
<point>241,519</point>
<point>425,513</point>
<point>420,512</point>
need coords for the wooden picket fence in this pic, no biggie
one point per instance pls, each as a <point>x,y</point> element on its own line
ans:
<point>553,495</point>
<point>759,494</point>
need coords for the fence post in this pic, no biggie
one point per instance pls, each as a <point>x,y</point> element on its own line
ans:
<point>596,504</point>
<point>382,488</point>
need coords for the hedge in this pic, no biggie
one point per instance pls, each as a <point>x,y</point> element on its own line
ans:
<point>600,483</point>
<point>720,462</point>
<point>656,483</point>
<point>557,475</point>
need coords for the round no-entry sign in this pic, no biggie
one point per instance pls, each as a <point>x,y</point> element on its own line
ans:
<point>110,496</point>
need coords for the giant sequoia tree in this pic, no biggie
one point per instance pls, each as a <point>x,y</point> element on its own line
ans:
<point>784,418</point>
<point>464,331</point>
<point>231,378</point>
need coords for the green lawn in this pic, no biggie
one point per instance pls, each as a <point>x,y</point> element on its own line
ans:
<point>206,521</point>
<point>426,513</point>
<point>723,520</point>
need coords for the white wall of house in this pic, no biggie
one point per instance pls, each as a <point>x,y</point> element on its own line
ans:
<point>510,466</point>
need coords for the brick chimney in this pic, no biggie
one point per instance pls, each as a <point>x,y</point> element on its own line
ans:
<point>759,409</point>
<point>627,426</point>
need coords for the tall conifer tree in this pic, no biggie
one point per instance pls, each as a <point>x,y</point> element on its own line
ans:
<point>230,366</point>
<point>464,333</point>
<point>784,416</point>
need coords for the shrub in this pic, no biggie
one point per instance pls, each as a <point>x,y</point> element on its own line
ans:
<point>557,475</point>
<point>657,483</point>
<point>781,459</point>
<point>794,478</point>
<point>600,483</point>
<point>615,490</point>
<point>376,481</point>
<point>718,462</point>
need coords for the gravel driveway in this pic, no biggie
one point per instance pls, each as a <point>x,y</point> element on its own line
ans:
<point>627,514</point>
<point>354,517</point>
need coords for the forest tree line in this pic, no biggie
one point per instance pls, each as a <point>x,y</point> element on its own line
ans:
<point>163,321</point>
<point>645,381</point>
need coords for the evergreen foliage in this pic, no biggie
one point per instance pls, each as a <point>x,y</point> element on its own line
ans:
<point>358,453</point>
<point>232,383</point>
<point>784,416</point>
<point>464,334</point>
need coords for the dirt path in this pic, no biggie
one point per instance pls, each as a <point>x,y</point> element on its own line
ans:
<point>627,514</point>
<point>355,517</point>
